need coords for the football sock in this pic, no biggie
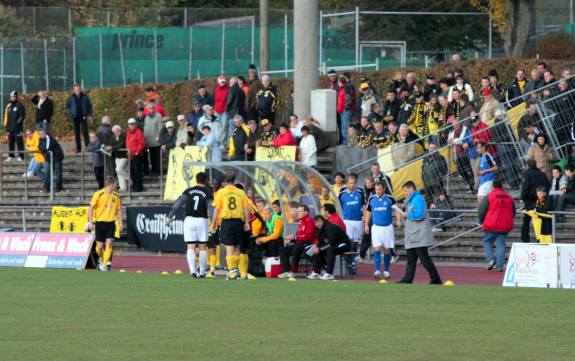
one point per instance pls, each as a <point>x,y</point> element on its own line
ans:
<point>107,255</point>
<point>237,262</point>
<point>377,260</point>
<point>230,262</point>
<point>243,265</point>
<point>218,256</point>
<point>213,262</point>
<point>100,253</point>
<point>203,257</point>
<point>191,256</point>
<point>386,261</point>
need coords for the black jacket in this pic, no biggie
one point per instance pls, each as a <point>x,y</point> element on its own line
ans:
<point>49,144</point>
<point>14,116</point>
<point>266,101</point>
<point>46,110</point>
<point>85,104</point>
<point>236,101</point>
<point>514,93</point>
<point>532,179</point>
<point>208,99</point>
<point>434,170</point>
<point>167,139</point>
<point>120,143</point>
<point>390,110</point>
<point>545,208</point>
<point>105,135</point>
<point>331,235</point>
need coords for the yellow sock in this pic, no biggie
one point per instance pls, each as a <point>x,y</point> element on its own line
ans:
<point>217,256</point>
<point>100,252</point>
<point>213,262</point>
<point>107,255</point>
<point>230,262</point>
<point>243,265</point>
<point>237,261</point>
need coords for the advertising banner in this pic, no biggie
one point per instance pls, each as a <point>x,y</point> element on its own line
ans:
<point>567,265</point>
<point>60,250</point>
<point>147,229</point>
<point>181,173</point>
<point>14,248</point>
<point>68,220</point>
<point>267,178</point>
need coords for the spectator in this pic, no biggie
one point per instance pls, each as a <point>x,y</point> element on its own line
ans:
<point>14,116</point>
<point>140,117</point>
<point>152,128</point>
<point>168,138</point>
<point>36,166</point>
<point>339,182</point>
<point>253,139</point>
<point>157,107</point>
<point>533,178</point>
<point>533,85</point>
<point>352,136</point>
<point>365,133</point>
<point>121,158</point>
<point>376,113</point>
<point>332,80</point>
<point>418,122</point>
<point>182,132</point>
<point>529,127</point>
<point>308,148</point>
<point>213,122</point>
<point>235,103</point>
<point>94,147</point>
<point>209,140</point>
<point>220,106</point>
<point>296,245</point>
<point>254,86</point>
<point>430,87</point>
<point>433,172</point>
<point>497,87</point>
<point>516,89</point>
<point>455,58</point>
<point>406,107</point>
<point>568,192</point>
<point>193,135</point>
<point>496,213</point>
<point>321,139</point>
<point>544,205</point>
<point>418,236</point>
<point>107,140</point>
<point>272,241</point>
<point>268,134</point>
<point>203,97</point>
<point>410,83</point>
<point>463,87</point>
<point>380,137</point>
<point>465,107</point>
<point>295,126</point>
<point>266,100</point>
<point>460,137</point>
<point>368,99</point>
<point>542,153</point>
<point>196,114</point>
<point>558,183</point>
<point>284,138</point>
<point>345,105</point>
<point>489,107</point>
<point>506,152</point>
<point>404,150</point>
<point>135,142</point>
<point>397,83</point>
<point>487,172</point>
<point>325,196</point>
<point>329,212</point>
<point>391,107</point>
<point>44,109</point>
<point>456,103</point>
<point>48,145</point>
<point>239,140</point>
<point>442,205</point>
<point>331,242</point>
<point>480,133</point>
<point>152,95</point>
<point>79,108</point>
<point>245,87</point>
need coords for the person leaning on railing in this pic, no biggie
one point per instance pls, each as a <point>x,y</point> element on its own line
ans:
<point>52,151</point>
<point>97,158</point>
<point>121,158</point>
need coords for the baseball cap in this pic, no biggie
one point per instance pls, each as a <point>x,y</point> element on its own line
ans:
<point>169,124</point>
<point>486,91</point>
<point>13,93</point>
<point>132,121</point>
<point>265,122</point>
<point>221,79</point>
<point>180,117</point>
<point>364,86</point>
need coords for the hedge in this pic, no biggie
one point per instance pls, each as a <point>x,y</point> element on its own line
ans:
<point>119,103</point>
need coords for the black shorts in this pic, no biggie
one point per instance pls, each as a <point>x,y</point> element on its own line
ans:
<point>232,232</point>
<point>104,231</point>
<point>213,239</point>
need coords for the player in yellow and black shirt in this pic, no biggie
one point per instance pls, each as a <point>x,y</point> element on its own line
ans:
<point>104,212</point>
<point>231,206</point>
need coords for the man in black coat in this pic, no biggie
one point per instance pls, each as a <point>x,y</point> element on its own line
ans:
<point>332,241</point>
<point>532,179</point>
<point>44,110</point>
<point>80,109</point>
<point>107,140</point>
<point>14,116</point>
<point>49,145</point>
<point>434,170</point>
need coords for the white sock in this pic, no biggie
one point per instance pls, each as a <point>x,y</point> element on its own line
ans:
<point>191,255</point>
<point>203,260</point>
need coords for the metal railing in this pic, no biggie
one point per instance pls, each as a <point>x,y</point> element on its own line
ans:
<point>24,162</point>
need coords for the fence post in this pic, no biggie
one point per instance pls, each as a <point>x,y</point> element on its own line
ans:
<point>161,173</point>
<point>156,56</point>
<point>120,47</point>
<point>101,64</point>
<point>286,45</point>
<point>22,73</point>
<point>320,37</point>
<point>70,21</point>
<point>185,17</point>
<point>253,39</point>
<point>65,66</point>
<point>490,35</point>
<point>23,220</point>
<point>74,59</point>
<point>553,226</point>
<point>51,176</point>
<point>82,173</point>
<point>549,130</point>
<point>2,80</point>
<point>46,64</point>
<point>191,43</point>
<point>356,36</point>
<point>223,46</point>
<point>26,176</point>
<point>447,181</point>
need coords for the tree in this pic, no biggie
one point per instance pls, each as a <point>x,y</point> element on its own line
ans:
<point>515,21</point>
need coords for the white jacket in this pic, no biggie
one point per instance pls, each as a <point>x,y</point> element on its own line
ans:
<point>308,151</point>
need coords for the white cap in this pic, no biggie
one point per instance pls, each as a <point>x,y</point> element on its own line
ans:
<point>180,117</point>
<point>499,112</point>
<point>169,124</point>
<point>132,121</point>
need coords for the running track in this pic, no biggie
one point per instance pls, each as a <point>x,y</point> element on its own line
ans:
<point>459,274</point>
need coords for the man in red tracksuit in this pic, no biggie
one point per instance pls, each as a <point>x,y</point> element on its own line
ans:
<point>294,246</point>
<point>220,104</point>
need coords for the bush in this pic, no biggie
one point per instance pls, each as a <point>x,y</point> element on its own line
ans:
<point>557,45</point>
<point>119,103</point>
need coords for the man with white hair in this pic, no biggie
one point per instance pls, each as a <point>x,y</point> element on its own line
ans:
<point>152,127</point>
<point>121,158</point>
<point>211,120</point>
<point>235,104</point>
<point>267,100</point>
<point>106,138</point>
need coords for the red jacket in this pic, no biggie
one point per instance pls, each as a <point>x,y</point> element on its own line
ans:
<point>482,134</point>
<point>284,139</point>
<point>220,98</point>
<point>135,142</point>
<point>346,98</point>
<point>335,219</point>
<point>306,231</point>
<point>500,212</point>
<point>159,109</point>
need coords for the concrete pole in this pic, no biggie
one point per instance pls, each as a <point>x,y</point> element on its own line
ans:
<point>306,51</point>
<point>264,42</point>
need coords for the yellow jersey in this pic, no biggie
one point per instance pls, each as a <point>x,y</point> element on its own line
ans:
<point>231,201</point>
<point>105,206</point>
<point>337,188</point>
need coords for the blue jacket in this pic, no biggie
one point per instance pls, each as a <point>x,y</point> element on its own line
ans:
<point>416,207</point>
<point>211,142</point>
<point>84,103</point>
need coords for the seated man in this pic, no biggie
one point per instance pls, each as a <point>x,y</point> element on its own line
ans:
<point>272,241</point>
<point>332,241</point>
<point>296,245</point>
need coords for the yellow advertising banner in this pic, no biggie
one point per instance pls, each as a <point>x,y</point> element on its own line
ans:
<point>515,115</point>
<point>68,220</point>
<point>181,173</point>
<point>266,178</point>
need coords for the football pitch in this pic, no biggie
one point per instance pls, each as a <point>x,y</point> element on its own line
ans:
<point>72,315</point>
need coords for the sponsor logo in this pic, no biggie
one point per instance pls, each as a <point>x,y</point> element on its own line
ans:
<point>156,225</point>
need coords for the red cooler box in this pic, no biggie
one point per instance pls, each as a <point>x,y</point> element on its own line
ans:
<point>273,267</point>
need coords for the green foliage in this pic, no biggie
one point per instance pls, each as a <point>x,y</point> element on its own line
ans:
<point>557,45</point>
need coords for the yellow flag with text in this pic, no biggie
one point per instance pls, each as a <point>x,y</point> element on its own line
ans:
<point>181,171</point>
<point>72,220</point>
<point>267,178</point>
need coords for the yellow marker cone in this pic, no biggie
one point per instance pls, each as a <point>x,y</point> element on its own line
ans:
<point>449,283</point>
<point>382,282</point>
<point>178,272</point>
<point>139,271</point>
<point>122,270</point>
<point>334,281</point>
<point>292,279</point>
<point>79,269</point>
<point>165,273</point>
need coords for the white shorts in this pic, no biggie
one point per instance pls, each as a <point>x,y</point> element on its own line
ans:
<point>354,230</point>
<point>383,236</point>
<point>485,188</point>
<point>195,230</point>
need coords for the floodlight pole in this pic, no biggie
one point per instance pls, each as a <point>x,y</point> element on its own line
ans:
<point>264,40</point>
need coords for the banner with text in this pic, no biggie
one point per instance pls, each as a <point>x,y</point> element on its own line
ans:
<point>267,178</point>
<point>147,229</point>
<point>14,248</point>
<point>68,220</point>
<point>181,173</point>
<point>60,250</point>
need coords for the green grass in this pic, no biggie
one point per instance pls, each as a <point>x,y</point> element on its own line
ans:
<point>70,315</point>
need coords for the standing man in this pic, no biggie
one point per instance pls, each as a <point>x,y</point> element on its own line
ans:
<point>232,207</point>
<point>203,97</point>
<point>44,109</point>
<point>196,200</point>
<point>352,200</point>
<point>380,208</point>
<point>135,143</point>
<point>14,116</point>
<point>97,159</point>
<point>54,159</point>
<point>295,246</point>
<point>238,140</point>
<point>487,172</point>
<point>220,104</point>
<point>267,100</point>
<point>235,103</point>
<point>418,236</point>
<point>80,109</point>
<point>104,212</point>
<point>496,213</point>
<point>107,140</point>
<point>533,178</point>
<point>121,158</point>
<point>152,128</point>
<point>345,106</point>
